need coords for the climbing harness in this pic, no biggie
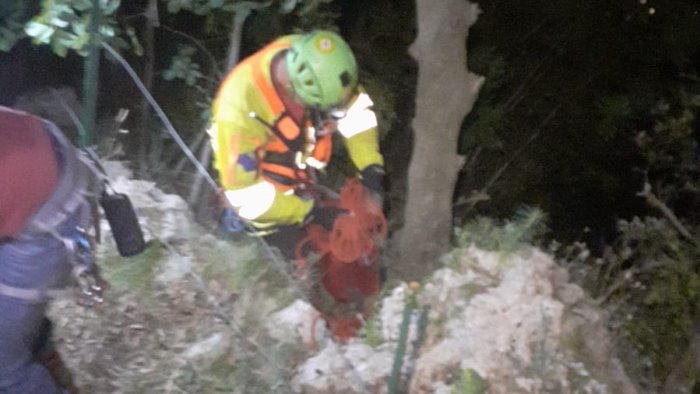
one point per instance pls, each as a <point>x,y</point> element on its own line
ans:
<point>65,217</point>
<point>122,220</point>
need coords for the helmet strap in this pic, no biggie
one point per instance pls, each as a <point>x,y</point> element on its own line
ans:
<point>284,89</point>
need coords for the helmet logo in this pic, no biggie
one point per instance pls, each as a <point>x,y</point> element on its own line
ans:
<point>325,45</point>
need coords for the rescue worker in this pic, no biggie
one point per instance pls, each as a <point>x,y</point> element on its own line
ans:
<point>43,211</point>
<point>273,123</point>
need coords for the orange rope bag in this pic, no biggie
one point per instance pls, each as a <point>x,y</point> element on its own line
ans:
<point>347,269</point>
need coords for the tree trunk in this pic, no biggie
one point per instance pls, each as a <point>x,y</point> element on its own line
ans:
<point>445,94</point>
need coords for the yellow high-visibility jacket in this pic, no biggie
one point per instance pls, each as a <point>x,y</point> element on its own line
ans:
<point>257,169</point>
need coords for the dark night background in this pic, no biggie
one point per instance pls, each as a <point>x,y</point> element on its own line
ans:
<point>583,168</point>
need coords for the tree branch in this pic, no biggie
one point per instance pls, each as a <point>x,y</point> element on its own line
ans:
<point>655,202</point>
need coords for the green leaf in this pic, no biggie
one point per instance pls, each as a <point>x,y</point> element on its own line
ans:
<point>81,41</point>
<point>7,42</point>
<point>58,22</point>
<point>135,43</point>
<point>35,29</point>
<point>169,74</point>
<point>287,6</point>
<point>106,31</point>
<point>59,48</point>
<point>40,32</point>
<point>82,5</point>
<point>110,6</point>
<point>79,28</point>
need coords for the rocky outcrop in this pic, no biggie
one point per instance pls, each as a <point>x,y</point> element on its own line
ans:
<point>199,313</point>
<point>514,320</point>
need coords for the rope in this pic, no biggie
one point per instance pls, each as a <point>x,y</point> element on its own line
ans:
<point>355,235</point>
<point>346,274</point>
<point>168,126</point>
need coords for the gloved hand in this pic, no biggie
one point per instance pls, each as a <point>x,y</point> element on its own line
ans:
<point>230,222</point>
<point>371,178</point>
<point>324,216</point>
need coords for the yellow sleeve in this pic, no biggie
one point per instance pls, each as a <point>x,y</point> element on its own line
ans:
<point>363,149</point>
<point>359,127</point>
<point>235,156</point>
<point>264,205</point>
<point>285,209</point>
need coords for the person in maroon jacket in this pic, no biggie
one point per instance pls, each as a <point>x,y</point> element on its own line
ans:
<point>43,215</point>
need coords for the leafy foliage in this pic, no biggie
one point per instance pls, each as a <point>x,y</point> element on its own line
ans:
<point>218,16</point>
<point>11,23</point>
<point>525,229</point>
<point>671,153</point>
<point>207,7</point>
<point>649,277</point>
<point>65,25</point>
<point>182,67</point>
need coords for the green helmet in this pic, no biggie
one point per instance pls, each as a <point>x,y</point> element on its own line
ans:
<point>322,69</point>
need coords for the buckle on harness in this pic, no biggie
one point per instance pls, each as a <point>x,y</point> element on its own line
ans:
<point>90,284</point>
<point>89,287</point>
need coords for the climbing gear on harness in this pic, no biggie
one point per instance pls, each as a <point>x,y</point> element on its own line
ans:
<point>119,211</point>
<point>85,272</point>
<point>65,217</point>
<point>295,152</point>
<point>326,121</point>
<point>122,220</point>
